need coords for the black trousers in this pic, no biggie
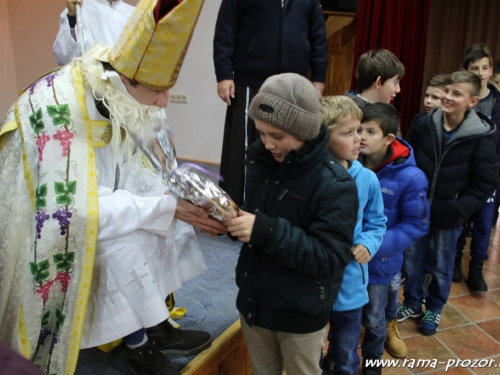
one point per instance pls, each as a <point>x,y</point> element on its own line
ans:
<point>239,133</point>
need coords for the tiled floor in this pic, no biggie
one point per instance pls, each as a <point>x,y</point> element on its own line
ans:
<point>469,329</point>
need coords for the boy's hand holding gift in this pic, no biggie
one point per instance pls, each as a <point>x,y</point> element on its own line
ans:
<point>241,226</point>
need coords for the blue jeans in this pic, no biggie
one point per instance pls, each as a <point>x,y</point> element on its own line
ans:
<point>343,340</point>
<point>376,313</point>
<point>392,298</point>
<point>437,249</point>
<point>481,232</point>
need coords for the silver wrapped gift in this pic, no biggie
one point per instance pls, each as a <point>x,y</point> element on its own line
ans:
<point>157,143</point>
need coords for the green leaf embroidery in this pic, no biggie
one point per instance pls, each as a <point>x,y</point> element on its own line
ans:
<point>41,193</point>
<point>64,192</point>
<point>40,270</point>
<point>45,319</point>
<point>71,187</point>
<point>64,261</point>
<point>44,265</point>
<point>59,187</point>
<point>64,199</point>
<point>59,319</point>
<point>36,121</point>
<point>59,113</point>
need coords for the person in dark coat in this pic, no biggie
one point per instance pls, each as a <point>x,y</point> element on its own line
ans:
<point>255,39</point>
<point>297,225</point>
<point>454,146</point>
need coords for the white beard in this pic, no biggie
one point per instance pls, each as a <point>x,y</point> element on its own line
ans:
<point>126,113</point>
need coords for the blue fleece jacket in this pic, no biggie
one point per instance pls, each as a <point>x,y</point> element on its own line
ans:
<point>369,231</point>
<point>404,190</point>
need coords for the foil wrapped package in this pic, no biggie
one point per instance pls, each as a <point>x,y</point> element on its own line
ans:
<point>157,143</point>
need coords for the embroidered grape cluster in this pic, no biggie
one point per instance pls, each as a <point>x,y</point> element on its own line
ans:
<point>43,335</point>
<point>63,278</point>
<point>54,342</point>
<point>62,216</point>
<point>64,137</point>
<point>45,289</point>
<point>41,217</point>
<point>40,143</point>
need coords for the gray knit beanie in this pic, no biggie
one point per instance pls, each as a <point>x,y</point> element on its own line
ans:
<point>289,102</point>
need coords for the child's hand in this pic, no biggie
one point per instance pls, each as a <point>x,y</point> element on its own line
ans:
<point>361,254</point>
<point>241,226</point>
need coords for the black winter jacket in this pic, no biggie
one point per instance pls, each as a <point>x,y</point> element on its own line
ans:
<point>306,207</point>
<point>463,175</point>
<point>255,39</point>
<point>495,115</point>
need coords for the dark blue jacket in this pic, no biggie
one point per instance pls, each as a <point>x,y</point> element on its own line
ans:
<point>306,207</point>
<point>255,39</point>
<point>495,115</point>
<point>463,174</point>
<point>404,190</point>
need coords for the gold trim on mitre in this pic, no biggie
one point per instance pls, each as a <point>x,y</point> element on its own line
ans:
<point>151,48</point>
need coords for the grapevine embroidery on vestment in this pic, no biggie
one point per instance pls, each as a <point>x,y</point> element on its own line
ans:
<point>52,318</point>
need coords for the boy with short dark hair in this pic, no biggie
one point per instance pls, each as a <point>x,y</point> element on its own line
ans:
<point>378,74</point>
<point>342,119</point>
<point>454,148</point>
<point>434,92</point>
<point>479,61</point>
<point>297,227</point>
<point>404,190</point>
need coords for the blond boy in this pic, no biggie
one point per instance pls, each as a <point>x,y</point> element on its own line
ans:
<point>342,118</point>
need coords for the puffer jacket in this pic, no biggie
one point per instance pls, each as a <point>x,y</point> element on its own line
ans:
<point>290,272</point>
<point>463,174</point>
<point>404,190</point>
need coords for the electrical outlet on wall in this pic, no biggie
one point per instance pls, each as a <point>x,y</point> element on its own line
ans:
<point>178,98</point>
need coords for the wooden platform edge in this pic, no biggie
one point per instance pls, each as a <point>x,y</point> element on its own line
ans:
<point>222,347</point>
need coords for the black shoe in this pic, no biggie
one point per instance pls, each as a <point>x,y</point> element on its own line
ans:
<point>457,270</point>
<point>374,368</point>
<point>147,360</point>
<point>176,341</point>
<point>475,281</point>
<point>328,366</point>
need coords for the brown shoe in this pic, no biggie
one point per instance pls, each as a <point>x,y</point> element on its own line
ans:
<point>394,344</point>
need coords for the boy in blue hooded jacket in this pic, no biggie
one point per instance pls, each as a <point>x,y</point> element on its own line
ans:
<point>404,190</point>
<point>342,118</point>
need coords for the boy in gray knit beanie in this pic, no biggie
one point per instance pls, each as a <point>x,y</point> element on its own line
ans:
<point>289,102</point>
<point>296,225</point>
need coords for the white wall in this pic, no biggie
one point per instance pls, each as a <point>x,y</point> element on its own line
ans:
<point>198,126</point>
<point>26,40</point>
<point>8,86</point>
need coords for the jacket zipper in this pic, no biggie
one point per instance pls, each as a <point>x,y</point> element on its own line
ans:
<point>438,165</point>
<point>362,273</point>
<point>316,285</point>
<point>293,195</point>
<point>422,200</point>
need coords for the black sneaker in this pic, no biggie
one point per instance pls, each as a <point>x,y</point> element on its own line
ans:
<point>371,366</point>
<point>475,281</point>
<point>147,360</point>
<point>170,340</point>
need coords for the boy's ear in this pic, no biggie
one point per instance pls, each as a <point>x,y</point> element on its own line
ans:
<point>389,139</point>
<point>473,101</point>
<point>378,82</point>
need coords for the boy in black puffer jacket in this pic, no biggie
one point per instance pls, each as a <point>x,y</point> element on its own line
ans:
<point>455,149</point>
<point>297,224</point>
